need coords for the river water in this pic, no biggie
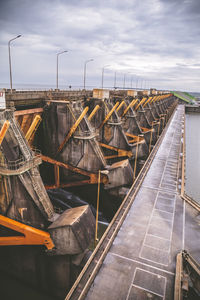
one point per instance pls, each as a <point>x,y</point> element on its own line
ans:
<point>192,183</point>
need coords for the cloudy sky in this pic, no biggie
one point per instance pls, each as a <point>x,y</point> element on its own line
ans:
<point>154,43</point>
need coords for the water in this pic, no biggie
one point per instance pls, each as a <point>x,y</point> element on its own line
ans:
<point>192,186</point>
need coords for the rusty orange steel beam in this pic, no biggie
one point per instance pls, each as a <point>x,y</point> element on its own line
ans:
<point>73,129</point>
<point>31,235</point>
<point>109,115</point>
<point>34,126</point>
<point>3,131</point>
<point>156,99</point>
<point>140,103</point>
<point>70,184</point>
<point>159,98</point>
<point>93,176</point>
<point>148,100</point>
<point>27,111</point>
<point>121,104</point>
<point>135,137</point>
<point>120,152</point>
<point>93,112</point>
<point>129,106</point>
<point>144,130</point>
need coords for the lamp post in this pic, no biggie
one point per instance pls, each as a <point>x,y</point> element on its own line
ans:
<point>103,75</point>
<point>10,67</point>
<point>84,77</point>
<point>124,82</point>
<point>131,82</point>
<point>130,77</point>
<point>115,79</point>
<point>57,67</point>
<point>137,82</point>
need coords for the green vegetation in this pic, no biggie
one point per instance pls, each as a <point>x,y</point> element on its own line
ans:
<point>190,96</point>
<point>185,97</point>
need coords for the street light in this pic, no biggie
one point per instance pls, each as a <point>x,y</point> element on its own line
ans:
<point>115,79</point>
<point>131,82</point>
<point>10,59</point>
<point>103,75</point>
<point>124,82</point>
<point>84,77</point>
<point>57,67</point>
<point>137,82</point>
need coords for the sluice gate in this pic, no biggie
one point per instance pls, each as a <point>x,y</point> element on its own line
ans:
<point>86,142</point>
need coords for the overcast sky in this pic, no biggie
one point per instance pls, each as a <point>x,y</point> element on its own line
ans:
<point>156,43</point>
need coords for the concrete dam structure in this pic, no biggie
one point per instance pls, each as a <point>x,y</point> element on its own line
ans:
<point>68,158</point>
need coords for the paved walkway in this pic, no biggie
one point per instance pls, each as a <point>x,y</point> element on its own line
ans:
<point>141,262</point>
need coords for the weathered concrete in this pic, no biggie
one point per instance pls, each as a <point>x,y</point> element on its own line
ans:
<point>32,98</point>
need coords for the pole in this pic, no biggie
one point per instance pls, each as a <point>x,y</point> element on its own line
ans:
<point>10,67</point>
<point>124,81</point>
<point>136,155</point>
<point>103,75</point>
<point>57,67</point>
<point>136,83</point>
<point>97,210</point>
<point>115,78</point>
<point>151,136</point>
<point>9,54</point>
<point>102,78</point>
<point>131,82</point>
<point>84,75</point>
<point>57,73</point>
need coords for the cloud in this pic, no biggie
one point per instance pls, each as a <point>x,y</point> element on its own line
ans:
<point>148,39</point>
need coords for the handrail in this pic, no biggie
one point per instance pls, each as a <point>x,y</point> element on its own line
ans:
<point>19,163</point>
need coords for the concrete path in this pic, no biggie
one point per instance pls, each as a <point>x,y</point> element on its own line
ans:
<point>141,262</point>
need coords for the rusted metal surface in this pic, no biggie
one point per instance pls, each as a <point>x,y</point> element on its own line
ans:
<point>120,152</point>
<point>140,103</point>
<point>33,128</point>
<point>129,106</point>
<point>31,111</point>
<point>108,115</point>
<point>3,131</point>
<point>93,112</point>
<point>92,177</point>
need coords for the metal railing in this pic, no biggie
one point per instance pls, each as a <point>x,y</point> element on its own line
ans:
<point>21,163</point>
